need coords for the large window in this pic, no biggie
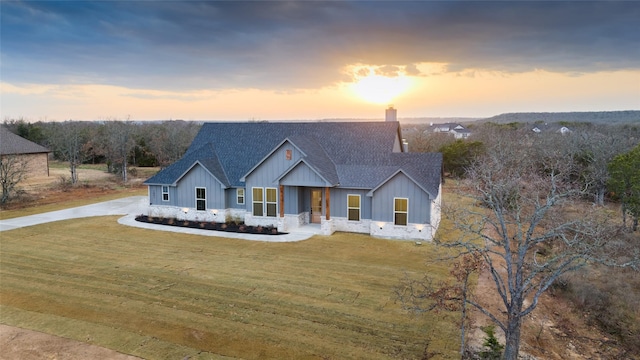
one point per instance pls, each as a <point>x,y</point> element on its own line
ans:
<point>258,198</point>
<point>400,211</point>
<point>272,202</point>
<point>240,196</point>
<point>201,199</point>
<point>165,193</point>
<point>265,204</point>
<point>353,207</point>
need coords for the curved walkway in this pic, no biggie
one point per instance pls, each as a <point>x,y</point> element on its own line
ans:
<point>136,205</point>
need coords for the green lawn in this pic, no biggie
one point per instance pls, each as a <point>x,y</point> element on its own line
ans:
<point>160,295</point>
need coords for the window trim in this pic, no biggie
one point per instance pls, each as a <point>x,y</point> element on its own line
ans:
<point>238,196</point>
<point>264,203</point>
<point>267,202</point>
<point>395,212</point>
<point>359,208</point>
<point>162,187</point>
<point>204,199</point>
<point>254,202</point>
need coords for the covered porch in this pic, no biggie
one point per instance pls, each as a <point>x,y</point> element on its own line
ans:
<point>305,207</point>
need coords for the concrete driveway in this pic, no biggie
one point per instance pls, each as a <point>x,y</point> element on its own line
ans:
<point>124,206</point>
<point>132,206</point>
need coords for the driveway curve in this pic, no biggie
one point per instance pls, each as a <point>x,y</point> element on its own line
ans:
<point>132,206</point>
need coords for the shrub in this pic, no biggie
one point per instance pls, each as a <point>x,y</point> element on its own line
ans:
<point>494,348</point>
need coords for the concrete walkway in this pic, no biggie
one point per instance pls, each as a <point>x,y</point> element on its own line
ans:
<point>136,205</point>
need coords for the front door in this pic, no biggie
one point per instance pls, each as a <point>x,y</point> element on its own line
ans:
<point>316,206</point>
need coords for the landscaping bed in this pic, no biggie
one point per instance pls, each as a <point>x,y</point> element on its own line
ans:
<point>210,225</point>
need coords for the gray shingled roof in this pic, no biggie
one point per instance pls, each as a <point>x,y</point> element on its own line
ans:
<point>316,157</point>
<point>351,154</point>
<point>12,144</point>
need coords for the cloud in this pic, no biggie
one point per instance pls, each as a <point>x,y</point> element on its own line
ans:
<point>279,45</point>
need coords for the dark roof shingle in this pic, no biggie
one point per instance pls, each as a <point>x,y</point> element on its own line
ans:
<point>12,144</point>
<point>351,154</point>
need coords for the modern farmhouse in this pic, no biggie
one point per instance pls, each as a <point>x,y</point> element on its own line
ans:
<point>343,176</point>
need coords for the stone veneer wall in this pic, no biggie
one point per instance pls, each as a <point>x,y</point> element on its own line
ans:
<point>251,220</point>
<point>409,232</point>
<point>290,222</point>
<point>342,224</point>
<point>215,215</point>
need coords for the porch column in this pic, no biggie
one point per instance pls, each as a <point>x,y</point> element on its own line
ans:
<point>328,201</point>
<point>281,201</point>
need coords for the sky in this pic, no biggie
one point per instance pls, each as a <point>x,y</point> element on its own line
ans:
<point>308,60</point>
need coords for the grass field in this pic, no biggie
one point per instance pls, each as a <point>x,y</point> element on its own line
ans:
<point>53,192</point>
<point>159,295</point>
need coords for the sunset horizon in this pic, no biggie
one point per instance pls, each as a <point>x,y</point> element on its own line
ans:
<point>206,60</point>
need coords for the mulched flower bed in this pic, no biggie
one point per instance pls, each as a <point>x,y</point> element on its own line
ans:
<point>208,225</point>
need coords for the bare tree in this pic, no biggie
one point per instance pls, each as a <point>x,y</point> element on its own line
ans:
<point>13,169</point>
<point>424,295</point>
<point>169,141</point>
<point>69,140</point>
<point>115,141</point>
<point>595,150</point>
<point>521,230</point>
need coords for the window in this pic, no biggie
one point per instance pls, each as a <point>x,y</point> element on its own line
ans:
<point>400,211</point>
<point>240,196</point>
<point>272,202</point>
<point>201,199</point>
<point>257,202</point>
<point>165,193</point>
<point>353,207</point>
<point>265,205</point>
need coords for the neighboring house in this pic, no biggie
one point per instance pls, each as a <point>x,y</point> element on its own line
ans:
<point>36,156</point>
<point>455,129</point>
<point>343,176</point>
<point>547,128</point>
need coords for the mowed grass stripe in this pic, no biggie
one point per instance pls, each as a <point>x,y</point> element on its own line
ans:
<point>327,296</point>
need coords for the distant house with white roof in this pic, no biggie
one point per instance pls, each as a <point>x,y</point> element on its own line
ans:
<point>455,129</point>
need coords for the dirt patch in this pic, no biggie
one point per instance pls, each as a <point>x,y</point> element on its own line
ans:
<point>58,175</point>
<point>55,188</point>
<point>554,330</point>
<point>17,343</point>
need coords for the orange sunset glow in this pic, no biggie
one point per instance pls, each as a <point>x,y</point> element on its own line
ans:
<point>216,61</point>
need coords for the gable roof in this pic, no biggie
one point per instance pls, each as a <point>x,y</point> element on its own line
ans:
<point>346,154</point>
<point>316,157</point>
<point>12,144</point>
<point>445,127</point>
<point>550,127</point>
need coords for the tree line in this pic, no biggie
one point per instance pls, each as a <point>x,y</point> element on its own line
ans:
<point>118,144</point>
<point>603,162</point>
<point>535,218</point>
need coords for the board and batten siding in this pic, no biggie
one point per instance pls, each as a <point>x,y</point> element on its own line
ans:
<point>303,175</point>
<point>292,200</point>
<point>267,173</point>
<point>339,202</point>
<point>271,168</point>
<point>400,186</point>
<point>231,199</point>
<point>199,177</point>
<point>155,196</point>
